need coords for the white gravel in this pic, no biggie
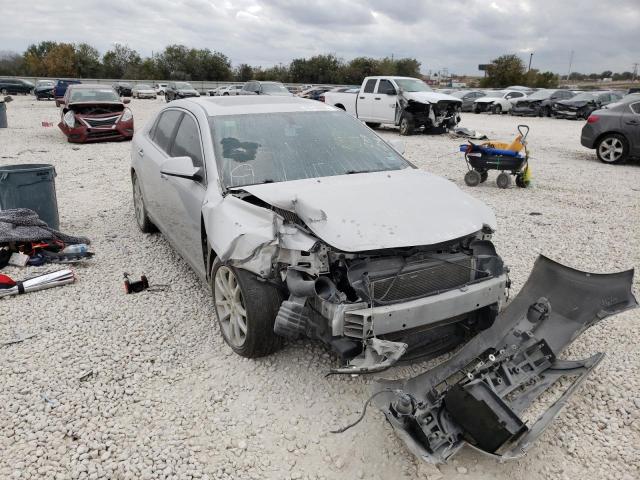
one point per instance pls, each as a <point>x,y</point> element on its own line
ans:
<point>168,399</point>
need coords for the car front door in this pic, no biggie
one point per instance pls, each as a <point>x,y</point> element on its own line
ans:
<point>182,198</point>
<point>365,100</point>
<point>384,102</point>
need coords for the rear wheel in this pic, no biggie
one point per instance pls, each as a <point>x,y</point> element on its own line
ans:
<point>612,148</point>
<point>473,178</point>
<point>476,108</point>
<point>407,125</point>
<point>503,180</point>
<point>4,91</point>
<point>497,109</point>
<point>142,219</point>
<point>246,310</point>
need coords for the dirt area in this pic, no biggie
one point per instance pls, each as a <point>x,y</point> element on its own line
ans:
<point>143,386</point>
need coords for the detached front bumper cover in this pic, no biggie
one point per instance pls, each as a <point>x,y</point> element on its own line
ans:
<point>478,396</point>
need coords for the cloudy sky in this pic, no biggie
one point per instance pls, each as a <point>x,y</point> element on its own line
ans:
<point>453,34</point>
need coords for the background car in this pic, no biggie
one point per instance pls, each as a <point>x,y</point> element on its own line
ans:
<point>14,86</point>
<point>92,113</point>
<point>539,102</point>
<point>143,90</point>
<point>176,90</point>
<point>497,101</point>
<point>232,90</point>
<point>315,93</point>
<point>61,88</point>
<point>614,131</point>
<point>160,88</point>
<point>44,89</point>
<point>255,87</point>
<point>581,105</point>
<point>215,92</point>
<point>467,97</point>
<point>124,89</point>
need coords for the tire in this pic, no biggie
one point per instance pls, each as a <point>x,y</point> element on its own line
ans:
<point>484,176</point>
<point>476,109</point>
<point>4,91</point>
<point>503,180</point>
<point>407,125</point>
<point>142,219</point>
<point>225,94</point>
<point>259,301</point>
<point>497,109</point>
<point>472,178</point>
<point>612,148</point>
<point>521,182</point>
<point>372,125</point>
<point>546,112</point>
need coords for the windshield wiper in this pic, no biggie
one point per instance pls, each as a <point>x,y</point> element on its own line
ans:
<point>351,172</point>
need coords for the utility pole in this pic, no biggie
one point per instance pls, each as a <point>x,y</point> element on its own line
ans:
<point>570,64</point>
<point>530,58</point>
<point>635,71</point>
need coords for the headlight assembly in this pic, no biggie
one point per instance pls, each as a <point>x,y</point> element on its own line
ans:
<point>126,115</point>
<point>70,119</point>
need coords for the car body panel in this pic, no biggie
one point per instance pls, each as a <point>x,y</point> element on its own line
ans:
<point>619,118</point>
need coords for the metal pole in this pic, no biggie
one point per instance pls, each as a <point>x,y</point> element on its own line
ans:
<point>530,58</point>
<point>570,63</point>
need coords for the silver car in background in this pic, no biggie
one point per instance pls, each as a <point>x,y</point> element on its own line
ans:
<point>142,90</point>
<point>305,223</point>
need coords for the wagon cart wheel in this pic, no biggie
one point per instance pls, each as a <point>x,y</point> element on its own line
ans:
<point>497,109</point>
<point>521,182</point>
<point>484,176</point>
<point>407,125</point>
<point>473,178</point>
<point>503,180</point>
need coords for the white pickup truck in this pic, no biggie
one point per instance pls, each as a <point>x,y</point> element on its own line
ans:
<point>405,102</point>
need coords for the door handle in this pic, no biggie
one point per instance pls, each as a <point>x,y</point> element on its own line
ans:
<point>163,176</point>
<point>361,98</point>
<point>632,122</point>
<point>377,98</point>
<point>141,152</point>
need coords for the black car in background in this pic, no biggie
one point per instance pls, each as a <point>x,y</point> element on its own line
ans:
<point>44,90</point>
<point>614,131</point>
<point>13,86</point>
<point>177,90</point>
<point>468,97</point>
<point>539,103</point>
<point>255,87</point>
<point>123,89</point>
<point>583,104</point>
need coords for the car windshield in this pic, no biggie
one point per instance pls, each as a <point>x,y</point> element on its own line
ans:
<point>412,85</point>
<point>280,147</point>
<point>143,86</point>
<point>496,94</point>
<point>183,86</point>
<point>274,88</point>
<point>93,95</point>
<point>584,96</point>
<point>459,94</point>
<point>540,95</point>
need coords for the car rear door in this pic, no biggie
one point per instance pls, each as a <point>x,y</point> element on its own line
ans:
<point>383,108</point>
<point>182,198</point>
<point>364,105</point>
<point>631,127</point>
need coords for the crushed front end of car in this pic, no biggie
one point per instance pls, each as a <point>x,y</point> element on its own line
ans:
<point>527,108</point>
<point>429,113</point>
<point>83,123</point>
<point>481,394</point>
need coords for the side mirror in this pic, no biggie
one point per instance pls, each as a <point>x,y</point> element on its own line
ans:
<point>181,167</point>
<point>391,91</point>
<point>398,145</point>
<point>126,100</point>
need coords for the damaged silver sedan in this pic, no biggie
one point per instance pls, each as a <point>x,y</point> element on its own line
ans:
<point>305,223</point>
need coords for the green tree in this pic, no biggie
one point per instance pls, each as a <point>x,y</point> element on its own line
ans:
<point>504,71</point>
<point>243,73</point>
<point>11,63</point>
<point>119,61</point>
<point>87,61</point>
<point>34,57</point>
<point>60,61</point>
<point>408,67</point>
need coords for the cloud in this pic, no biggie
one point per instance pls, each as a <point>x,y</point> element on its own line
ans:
<point>453,34</point>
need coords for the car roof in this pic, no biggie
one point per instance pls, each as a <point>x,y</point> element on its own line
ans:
<point>247,104</point>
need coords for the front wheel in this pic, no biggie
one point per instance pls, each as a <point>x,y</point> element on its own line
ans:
<point>142,219</point>
<point>407,125</point>
<point>246,310</point>
<point>612,148</point>
<point>4,91</point>
<point>472,178</point>
<point>497,109</point>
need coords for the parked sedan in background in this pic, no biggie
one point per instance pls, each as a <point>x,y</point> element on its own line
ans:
<point>143,90</point>
<point>497,101</point>
<point>215,92</point>
<point>614,131</point>
<point>44,89</point>
<point>124,89</point>
<point>232,90</point>
<point>255,87</point>
<point>581,106</point>
<point>61,89</point>
<point>539,103</point>
<point>160,88</point>
<point>314,93</point>
<point>14,86</point>
<point>92,113</point>
<point>468,98</point>
<point>177,90</point>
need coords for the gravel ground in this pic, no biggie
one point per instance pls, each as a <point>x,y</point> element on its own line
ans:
<point>162,396</point>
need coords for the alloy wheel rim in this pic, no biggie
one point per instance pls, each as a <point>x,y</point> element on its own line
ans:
<point>230,307</point>
<point>611,149</point>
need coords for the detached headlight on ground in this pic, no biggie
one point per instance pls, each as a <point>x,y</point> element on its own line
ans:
<point>70,119</point>
<point>126,115</point>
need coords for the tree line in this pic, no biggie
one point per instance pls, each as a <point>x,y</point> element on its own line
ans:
<point>178,62</point>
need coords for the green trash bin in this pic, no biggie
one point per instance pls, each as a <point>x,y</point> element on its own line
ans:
<point>32,186</point>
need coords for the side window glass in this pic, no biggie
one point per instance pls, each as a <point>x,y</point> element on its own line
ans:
<point>187,141</point>
<point>386,87</point>
<point>370,85</point>
<point>165,127</point>
<point>636,107</point>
